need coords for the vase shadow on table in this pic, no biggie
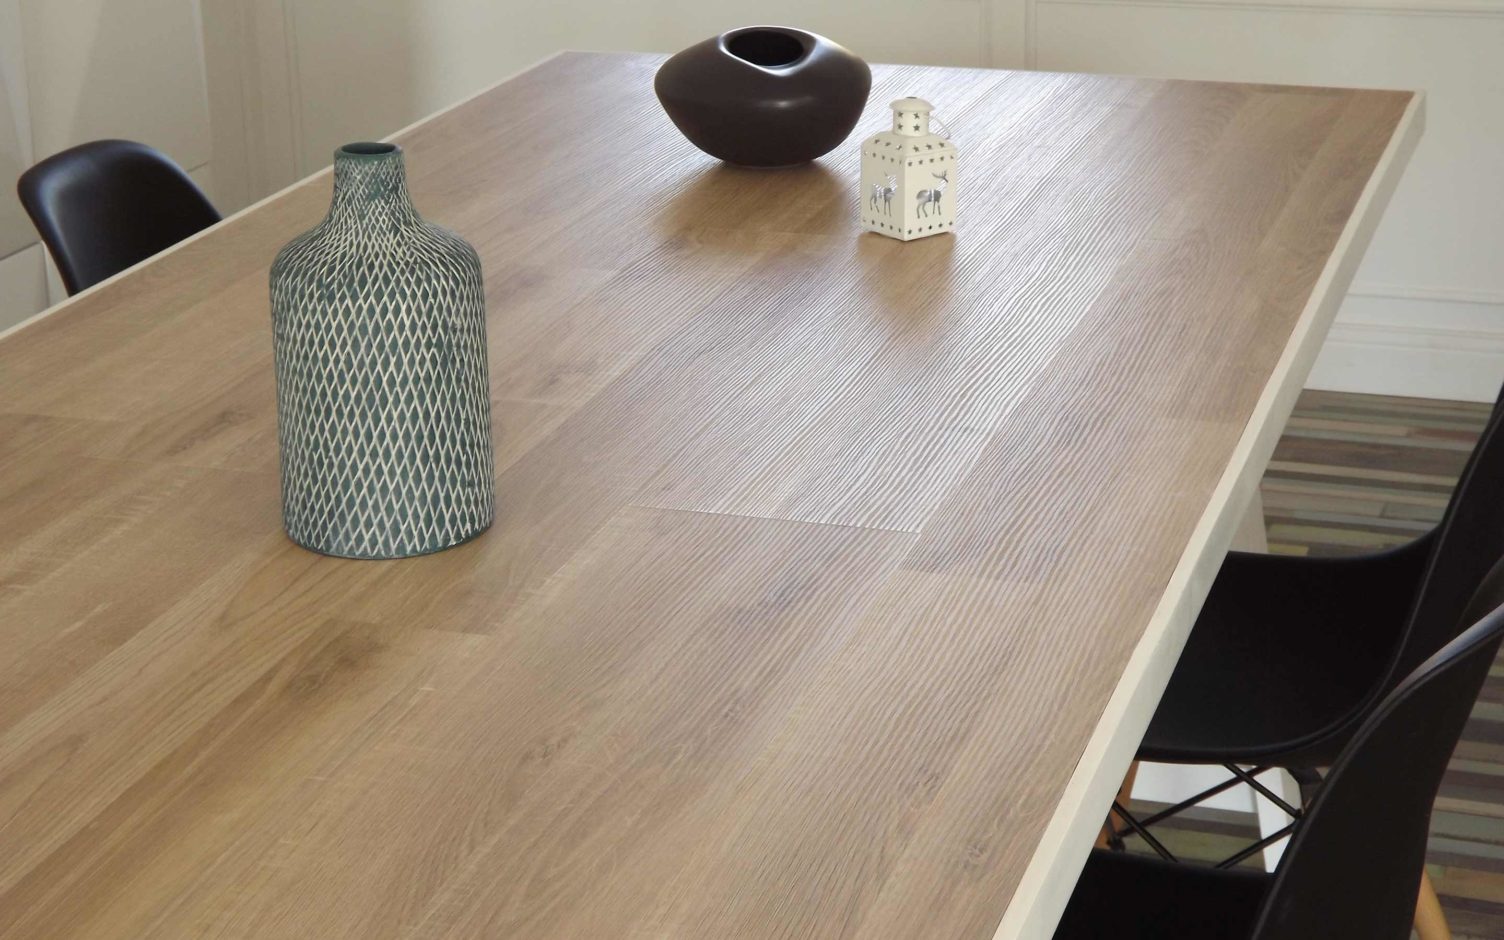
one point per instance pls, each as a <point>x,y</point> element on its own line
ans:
<point>734,203</point>
<point>731,210</point>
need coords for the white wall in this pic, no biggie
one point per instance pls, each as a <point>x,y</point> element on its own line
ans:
<point>77,70</point>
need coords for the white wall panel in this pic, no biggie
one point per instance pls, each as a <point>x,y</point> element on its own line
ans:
<point>250,77</point>
<point>23,286</point>
<point>117,68</point>
<point>15,129</point>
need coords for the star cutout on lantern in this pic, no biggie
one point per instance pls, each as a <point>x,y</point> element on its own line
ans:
<point>916,127</point>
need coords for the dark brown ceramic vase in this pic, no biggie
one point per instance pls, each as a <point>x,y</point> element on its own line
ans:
<point>765,95</point>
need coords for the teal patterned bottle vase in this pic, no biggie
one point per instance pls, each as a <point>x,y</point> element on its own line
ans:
<point>383,404</point>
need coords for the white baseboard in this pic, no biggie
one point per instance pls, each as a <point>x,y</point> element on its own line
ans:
<point>23,285</point>
<point>1420,343</point>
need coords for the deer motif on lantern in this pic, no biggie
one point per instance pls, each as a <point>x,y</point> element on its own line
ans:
<point>882,195</point>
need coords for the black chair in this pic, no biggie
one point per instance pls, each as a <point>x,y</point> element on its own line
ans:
<point>101,207</point>
<point>1342,875</point>
<point>1290,654</point>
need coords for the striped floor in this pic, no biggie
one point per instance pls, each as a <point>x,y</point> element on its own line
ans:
<point>1355,473</point>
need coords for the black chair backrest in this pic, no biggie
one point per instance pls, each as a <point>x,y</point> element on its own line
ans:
<point>1353,866</point>
<point>1469,538</point>
<point>101,207</point>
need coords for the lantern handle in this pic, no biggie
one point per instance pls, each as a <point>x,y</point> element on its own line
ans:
<point>946,133</point>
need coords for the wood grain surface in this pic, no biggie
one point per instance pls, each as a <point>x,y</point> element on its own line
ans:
<point>819,556</point>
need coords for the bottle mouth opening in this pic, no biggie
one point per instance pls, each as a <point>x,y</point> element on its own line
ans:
<point>769,48</point>
<point>366,148</point>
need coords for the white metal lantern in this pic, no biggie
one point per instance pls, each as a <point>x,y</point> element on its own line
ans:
<point>909,176</point>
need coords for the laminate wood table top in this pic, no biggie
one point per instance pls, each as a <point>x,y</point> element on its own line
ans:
<point>834,578</point>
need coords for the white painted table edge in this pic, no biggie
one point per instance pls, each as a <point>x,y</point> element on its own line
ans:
<point>1051,875</point>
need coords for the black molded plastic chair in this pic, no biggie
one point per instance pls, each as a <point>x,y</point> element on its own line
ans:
<point>1289,655</point>
<point>1342,875</point>
<point>101,207</point>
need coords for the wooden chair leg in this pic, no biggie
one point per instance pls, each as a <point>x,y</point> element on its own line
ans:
<point>1430,922</point>
<point>1105,834</point>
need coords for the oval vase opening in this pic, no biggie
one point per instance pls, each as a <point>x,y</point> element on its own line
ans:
<point>765,47</point>
<point>367,148</point>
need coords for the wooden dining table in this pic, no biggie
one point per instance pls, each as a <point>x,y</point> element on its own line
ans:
<point>833,582</point>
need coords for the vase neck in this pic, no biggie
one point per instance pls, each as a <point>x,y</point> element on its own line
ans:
<point>370,189</point>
